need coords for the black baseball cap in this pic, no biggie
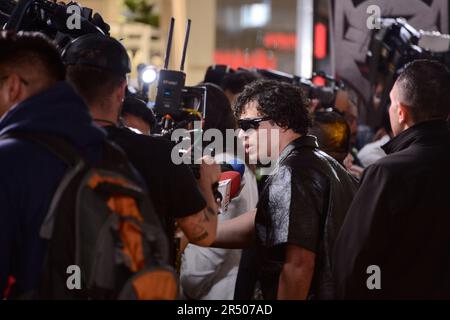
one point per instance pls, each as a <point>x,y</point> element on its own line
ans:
<point>98,50</point>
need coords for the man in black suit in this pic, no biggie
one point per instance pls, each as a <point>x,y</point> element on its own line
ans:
<point>395,241</point>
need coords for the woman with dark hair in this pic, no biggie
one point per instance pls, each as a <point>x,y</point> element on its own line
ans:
<point>208,273</point>
<point>219,114</point>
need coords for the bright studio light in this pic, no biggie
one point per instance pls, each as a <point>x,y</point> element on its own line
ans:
<point>149,75</point>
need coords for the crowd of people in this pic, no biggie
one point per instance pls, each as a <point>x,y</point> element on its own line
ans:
<point>313,229</point>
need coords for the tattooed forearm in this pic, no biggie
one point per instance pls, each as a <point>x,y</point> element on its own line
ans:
<point>201,227</point>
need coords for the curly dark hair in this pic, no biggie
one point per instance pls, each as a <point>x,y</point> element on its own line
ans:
<point>284,103</point>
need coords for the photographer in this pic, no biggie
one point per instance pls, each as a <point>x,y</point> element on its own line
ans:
<point>97,68</point>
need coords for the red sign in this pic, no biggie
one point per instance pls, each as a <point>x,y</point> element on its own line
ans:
<point>280,41</point>
<point>258,58</point>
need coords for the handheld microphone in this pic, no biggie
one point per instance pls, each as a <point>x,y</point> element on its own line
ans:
<point>235,182</point>
<point>230,183</point>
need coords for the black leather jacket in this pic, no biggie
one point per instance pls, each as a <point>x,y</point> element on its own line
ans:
<point>304,203</point>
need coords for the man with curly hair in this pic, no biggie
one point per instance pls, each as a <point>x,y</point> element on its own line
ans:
<point>302,205</point>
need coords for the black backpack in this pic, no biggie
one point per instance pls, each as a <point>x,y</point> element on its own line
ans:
<point>105,240</point>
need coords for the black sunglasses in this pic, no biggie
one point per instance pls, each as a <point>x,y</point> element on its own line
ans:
<point>247,124</point>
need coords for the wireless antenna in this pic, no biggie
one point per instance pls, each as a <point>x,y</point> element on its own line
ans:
<point>169,98</point>
<point>169,43</point>
<point>186,41</point>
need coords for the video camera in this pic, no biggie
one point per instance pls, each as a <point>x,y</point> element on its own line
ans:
<point>396,44</point>
<point>52,19</point>
<point>177,105</point>
<point>326,95</point>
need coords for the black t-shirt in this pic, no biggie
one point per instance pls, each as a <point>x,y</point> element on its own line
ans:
<point>172,188</point>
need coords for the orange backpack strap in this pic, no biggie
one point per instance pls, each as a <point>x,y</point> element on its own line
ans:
<point>122,201</point>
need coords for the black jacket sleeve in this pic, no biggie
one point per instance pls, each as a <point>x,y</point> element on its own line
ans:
<point>364,236</point>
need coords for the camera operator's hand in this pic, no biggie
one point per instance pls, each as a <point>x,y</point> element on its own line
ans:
<point>209,174</point>
<point>209,183</point>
